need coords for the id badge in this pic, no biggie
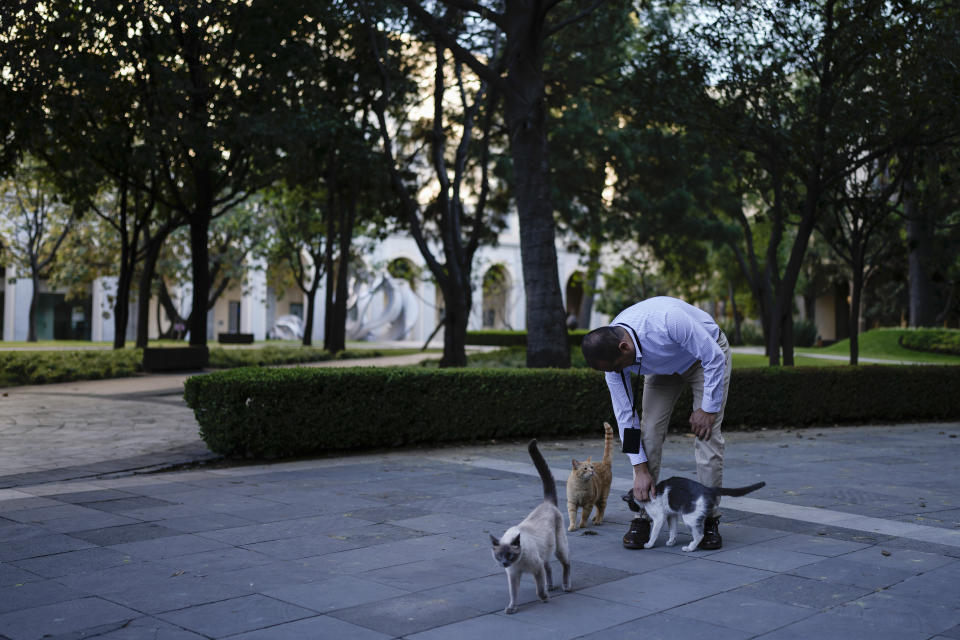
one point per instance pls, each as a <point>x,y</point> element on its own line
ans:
<point>631,440</point>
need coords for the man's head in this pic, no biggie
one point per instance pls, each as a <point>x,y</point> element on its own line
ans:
<point>608,349</point>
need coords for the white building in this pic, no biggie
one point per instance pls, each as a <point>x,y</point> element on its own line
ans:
<point>380,307</point>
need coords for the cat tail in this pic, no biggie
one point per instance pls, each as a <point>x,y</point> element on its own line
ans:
<point>740,491</point>
<point>549,486</point>
<point>607,444</point>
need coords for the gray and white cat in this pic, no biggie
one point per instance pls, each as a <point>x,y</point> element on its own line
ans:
<point>682,498</point>
<point>527,547</point>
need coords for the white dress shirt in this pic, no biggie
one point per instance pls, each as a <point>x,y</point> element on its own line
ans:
<point>673,336</point>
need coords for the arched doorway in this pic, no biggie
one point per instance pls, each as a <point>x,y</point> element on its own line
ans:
<point>575,290</point>
<point>496,286</point>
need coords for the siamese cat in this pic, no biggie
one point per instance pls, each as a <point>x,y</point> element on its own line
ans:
<point>682,498</point>
<point>527,547</point>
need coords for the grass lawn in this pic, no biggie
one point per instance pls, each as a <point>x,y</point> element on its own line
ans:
<point>882,344</point>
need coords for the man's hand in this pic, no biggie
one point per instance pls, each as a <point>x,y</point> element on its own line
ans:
<point>701,424</point>
<point>643,486</point>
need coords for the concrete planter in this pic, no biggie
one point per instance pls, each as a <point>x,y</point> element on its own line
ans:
<point>157,359</point>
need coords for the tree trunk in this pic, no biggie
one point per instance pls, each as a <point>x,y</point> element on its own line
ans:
<point>311,304</point>
<point>200,270</point>
<point>856,289</point>
<point>737,320</point>
<point>34,303</point>
<point>331,284</point>
<point>920,240</point>
<point>339,329</point>
<point>121,308</point>
<point>455,326</point>
<point>526,122</point>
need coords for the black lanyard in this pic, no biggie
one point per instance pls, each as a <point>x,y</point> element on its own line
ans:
<point>623,376</point>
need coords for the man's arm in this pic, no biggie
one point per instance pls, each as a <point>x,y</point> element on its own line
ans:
<point>623,411</point>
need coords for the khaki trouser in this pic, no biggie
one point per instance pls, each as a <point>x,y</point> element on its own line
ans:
<point>660,393</point>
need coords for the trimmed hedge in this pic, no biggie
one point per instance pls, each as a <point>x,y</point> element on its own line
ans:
<point>43,367</point>
<point>301,411</point>
<point>505,338</point>
<point>932,341</point>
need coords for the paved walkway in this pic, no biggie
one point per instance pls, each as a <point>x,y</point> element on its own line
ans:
<point>856,535</point>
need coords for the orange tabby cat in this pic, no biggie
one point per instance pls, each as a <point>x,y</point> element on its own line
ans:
<point>589,485</point>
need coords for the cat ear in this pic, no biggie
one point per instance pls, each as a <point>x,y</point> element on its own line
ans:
<point>575,463</point>
<point>516,542</point>
<point>495,542</point>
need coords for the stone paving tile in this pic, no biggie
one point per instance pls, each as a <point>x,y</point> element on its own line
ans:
<point>907,614</point>
<point>42,515</point>
<point>906,559</point>
<point>237,615</point>
<point>34,594</point>
<point>12,576</point>
<point>760,557</point>
<point>832,625</point>
<point>737,611</point>
<point>816,545</point>
<point>665,626</point>
<point>570,615</point>
<point>82,561</point>
<point>82,497</point>
<point>148,628</point>
<point>292,528</point>
<point>858,574</point>
<point>331,594</point>
<point>951,633</point>
<point>706,571</point>
<point>312,629</point>
<point>937,585</point>
<point>61,618</point>
<point>486,627</point>
<point>802,592</point>
<point>41,545</point>
<point>425,574</point>
<point>150,592</point>
<point>20,504</point>
<point>92,520</point>
<point>203,522</point>
<point>124,533</point>
<point>273,575</point>
<point>217,560</point>
<point>405,615</point>
<point>169,547</point>
<point>301,546</point>
<point>650,592</point>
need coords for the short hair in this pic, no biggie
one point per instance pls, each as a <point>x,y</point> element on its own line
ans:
<point>601,346</point>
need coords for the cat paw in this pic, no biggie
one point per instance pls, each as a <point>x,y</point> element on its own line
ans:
<point>670,542</point>
<point>510,609</point>
<point>567,588</point>
<point>572,527</point>
<point>544,597</point>
<point>688,547</point>
<point>598,521</point>
<point>648,545</point>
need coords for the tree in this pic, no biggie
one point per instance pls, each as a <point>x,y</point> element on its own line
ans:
<point>37,222</point>
<point>233,239</point>
<point>587,80</point>
<point>209,83</point>
<point>516,73</point>
<point>463,175</point>
<point>813,93</point>
<point>862,229</point>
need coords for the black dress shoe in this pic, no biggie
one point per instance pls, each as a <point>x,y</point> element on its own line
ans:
<point>638,534</point>
<point>711,535</point>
